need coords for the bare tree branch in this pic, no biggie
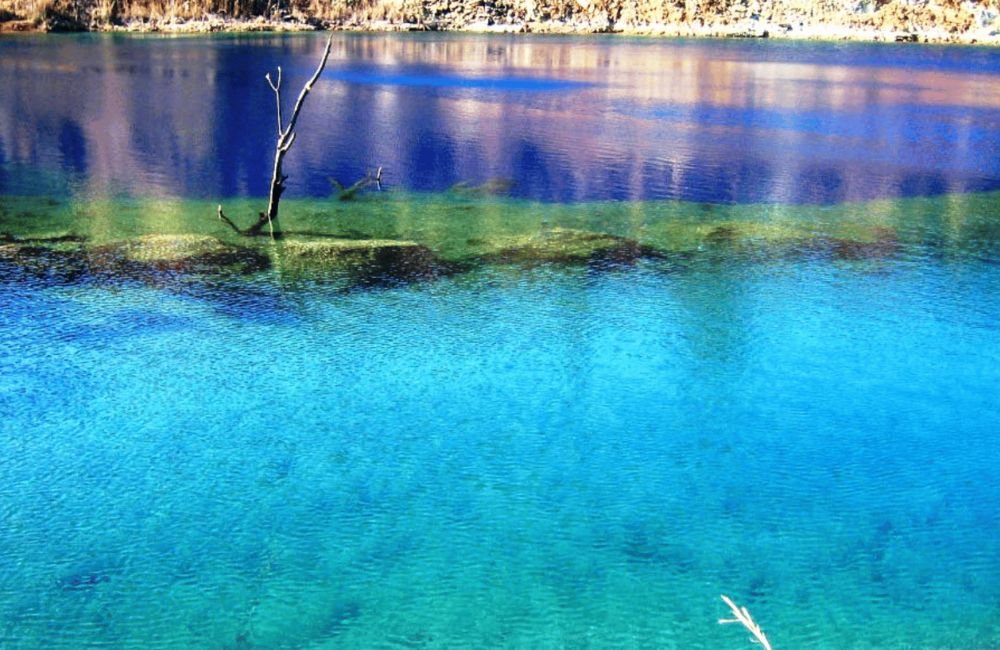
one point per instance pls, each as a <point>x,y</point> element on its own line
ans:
<point>286,136</point>
<point>347,193</point>
<point>309,85</point>
<point>276,87</point>
<point>285,139</point>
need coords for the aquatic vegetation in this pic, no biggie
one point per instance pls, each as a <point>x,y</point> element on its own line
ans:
<point>777,239</point>
<point>183,250</point>
<point>151,256</point>
<point>57,258</point>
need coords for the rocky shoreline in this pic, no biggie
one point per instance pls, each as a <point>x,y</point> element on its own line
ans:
<point>925,21</point>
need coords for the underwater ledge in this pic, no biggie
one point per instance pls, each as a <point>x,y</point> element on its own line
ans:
<point>395,238</point>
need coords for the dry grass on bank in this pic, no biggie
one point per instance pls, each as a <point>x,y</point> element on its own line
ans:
<point>936,20</point>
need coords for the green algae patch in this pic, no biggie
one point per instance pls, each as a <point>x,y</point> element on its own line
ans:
<point>562,246</point>
<point>359,261</point>
<point>340,249</point>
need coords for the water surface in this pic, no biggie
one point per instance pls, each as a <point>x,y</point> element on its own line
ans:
<point>567,119</point>
<point>782,395</point>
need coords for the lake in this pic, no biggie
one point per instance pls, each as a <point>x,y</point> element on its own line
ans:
<point>634,323</point>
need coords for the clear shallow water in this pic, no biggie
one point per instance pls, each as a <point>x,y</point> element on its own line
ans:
<point>567,119</point>
<point>795,405</point>
<point>517,456</point>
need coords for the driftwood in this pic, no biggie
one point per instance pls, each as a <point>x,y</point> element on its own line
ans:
<point>348,193</point>
<point>742,616</point>
<point>286,137</point>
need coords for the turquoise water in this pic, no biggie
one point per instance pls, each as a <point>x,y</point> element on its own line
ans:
<point>523,457</point>
<point>780,384</point>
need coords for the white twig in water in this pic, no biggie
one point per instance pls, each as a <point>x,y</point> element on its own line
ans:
<point>743,618</point>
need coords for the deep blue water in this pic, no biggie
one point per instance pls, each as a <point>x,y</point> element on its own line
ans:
<point>567,119</point>
<point>794,405</point>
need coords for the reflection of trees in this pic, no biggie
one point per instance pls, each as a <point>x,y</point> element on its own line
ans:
<point>157,117</point>
<point>73,146</point>
<point>827,183</point>
<point>923,184</point>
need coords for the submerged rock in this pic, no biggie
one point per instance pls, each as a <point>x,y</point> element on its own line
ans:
<point>151,255</point>
<point>58,259</point>
<point>360,261</point>
<point>873,244</point>
<point>82,581</point>
<point>67,258</point>
<point>761,242</point>
<point>736,234</point>
<point>859,250</point>
<point>567,246</point>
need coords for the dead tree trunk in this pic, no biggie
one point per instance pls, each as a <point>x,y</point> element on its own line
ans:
<point>286,137</point>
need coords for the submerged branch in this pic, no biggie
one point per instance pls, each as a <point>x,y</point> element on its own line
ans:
<point>254,230</point>
<point>348,193</point>
<point>223,217</point>
<point>743,617</point>
<point>276,87</point>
